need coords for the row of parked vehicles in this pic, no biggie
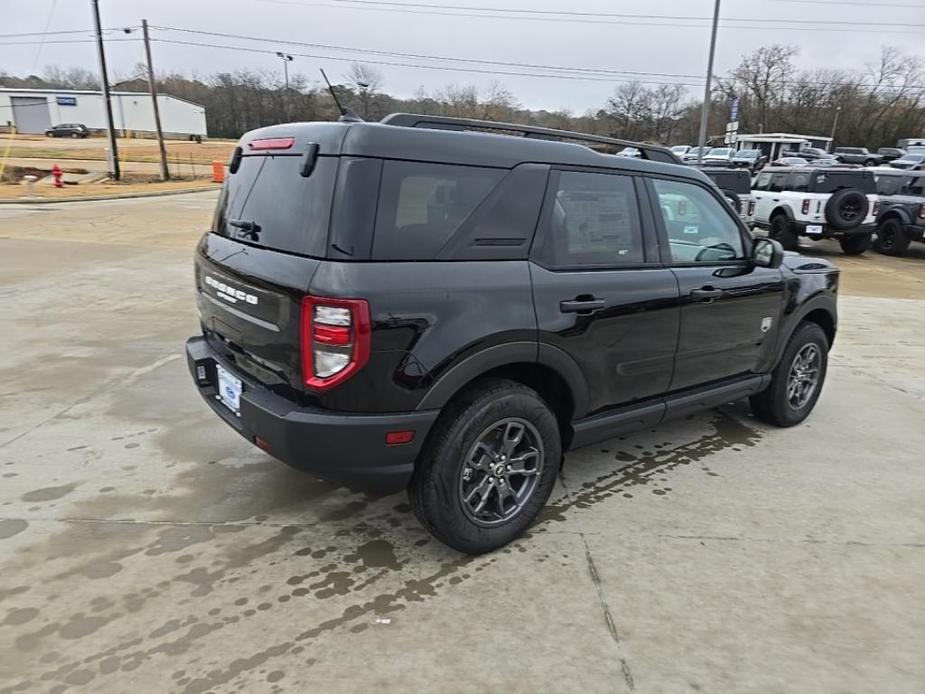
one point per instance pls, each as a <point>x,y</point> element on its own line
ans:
<point>851,205</point>
<point>754,160</point>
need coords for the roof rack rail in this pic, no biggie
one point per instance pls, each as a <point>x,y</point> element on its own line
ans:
<point>412,120</point>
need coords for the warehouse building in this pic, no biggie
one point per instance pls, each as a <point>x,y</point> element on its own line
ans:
<point>35,110</point>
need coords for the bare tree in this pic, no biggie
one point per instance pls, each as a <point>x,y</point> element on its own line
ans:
<point>367,82</point>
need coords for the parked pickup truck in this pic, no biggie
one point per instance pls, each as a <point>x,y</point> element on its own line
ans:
<point>858,155</point>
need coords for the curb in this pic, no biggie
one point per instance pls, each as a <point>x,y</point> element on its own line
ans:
<point>92,198</point>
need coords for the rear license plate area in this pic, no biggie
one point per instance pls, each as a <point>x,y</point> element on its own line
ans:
<point>228,389</point>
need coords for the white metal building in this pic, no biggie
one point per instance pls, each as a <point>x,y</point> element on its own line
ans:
<point>35,110</point>
<point>781,144</point>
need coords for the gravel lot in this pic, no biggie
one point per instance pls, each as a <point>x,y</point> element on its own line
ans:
<point>146,547</point>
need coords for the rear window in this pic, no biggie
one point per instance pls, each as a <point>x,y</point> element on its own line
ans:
<point>422,205</point>
<point>268,203</point>
<point>889,185</point>
<point>831,181</point>
<point>915,186</point>
<point>738,182</point>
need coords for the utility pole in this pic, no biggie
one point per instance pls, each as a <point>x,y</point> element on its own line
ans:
<point>152,87</point>
<point>286,58</point>
<point>834,127</point>
<point>705,114</point>
<point>104,80</point>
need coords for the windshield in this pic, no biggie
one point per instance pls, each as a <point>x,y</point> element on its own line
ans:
<point>914,157</point>
<point>747,154</point>
<point>720,152</point>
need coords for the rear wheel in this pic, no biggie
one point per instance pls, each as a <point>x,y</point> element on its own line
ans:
<point>488,467</point>
<point>870,162</point>
<point>856,244</point>
<point>75,135</point>
<point>797,380</point>
<point>892,238</point>
<point>783,232</point>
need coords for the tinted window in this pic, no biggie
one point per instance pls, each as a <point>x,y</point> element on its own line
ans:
<point>763,181</point>
<point>699,227</point>
<point>830,181</point>
<point>422,205</point>
<point>778,182</point>
<point>738,182</point>
<point>799,182</point>
<point>889,185</point>
<point>289,212</point>
<point>915,186</point>
<point>591,219</point>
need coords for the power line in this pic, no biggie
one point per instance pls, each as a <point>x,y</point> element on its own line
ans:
<point>427,67</point>
<point>479,61</point>
<point>58,33</point>
<point>38,52</point>
<point>801,26</point>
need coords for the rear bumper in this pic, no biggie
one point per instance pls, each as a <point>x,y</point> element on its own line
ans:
<point>831,232</point>
<point>336,445</point>
<point>915,232</point>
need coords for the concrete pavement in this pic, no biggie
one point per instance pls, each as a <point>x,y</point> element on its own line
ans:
<point>146,547</point>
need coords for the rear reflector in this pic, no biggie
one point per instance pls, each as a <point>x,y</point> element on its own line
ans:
<point>272,143</point>
<point>805,209</point>
<point>262,444</point>
<point>921,211</point>
<point>396,438</point>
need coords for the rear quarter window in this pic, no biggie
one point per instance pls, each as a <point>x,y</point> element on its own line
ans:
<point>422,205</point>
<point>831,181</point>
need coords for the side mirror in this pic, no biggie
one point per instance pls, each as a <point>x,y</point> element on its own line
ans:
<point>767,253</point>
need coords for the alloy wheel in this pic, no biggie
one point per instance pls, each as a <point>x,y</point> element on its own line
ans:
<point>501,471</point>
<point>804,376</point>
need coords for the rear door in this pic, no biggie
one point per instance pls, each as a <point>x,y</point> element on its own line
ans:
<point>600,293</point>
<point>269,231</point>
<point>730,309</point>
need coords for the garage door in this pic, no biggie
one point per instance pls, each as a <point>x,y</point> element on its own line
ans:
<point>30,114</point>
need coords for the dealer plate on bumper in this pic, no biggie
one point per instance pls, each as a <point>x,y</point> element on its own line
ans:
<point>814,229</point>
<point>229,389</point>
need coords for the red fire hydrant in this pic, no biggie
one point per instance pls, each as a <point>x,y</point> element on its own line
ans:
<point>56,174</point>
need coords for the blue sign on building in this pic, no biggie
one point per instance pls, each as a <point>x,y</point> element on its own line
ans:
<point>66,100</point>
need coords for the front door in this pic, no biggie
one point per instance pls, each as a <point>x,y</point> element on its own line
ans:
<point>730,309</point>
<point>600,292</point>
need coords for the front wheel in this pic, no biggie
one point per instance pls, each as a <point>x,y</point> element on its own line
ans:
<point>796,381</point>
<point>488,467</point>
<point>856,244</point>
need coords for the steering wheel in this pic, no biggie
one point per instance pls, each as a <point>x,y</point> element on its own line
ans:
<point>722,246</point>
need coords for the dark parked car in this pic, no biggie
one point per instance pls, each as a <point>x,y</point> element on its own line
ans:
<point>425,302</point>
<point>752,159</point>
<point>891,153</point>
<point>858,155</point>
<point>68,130</point>
<point>909,162</point>
<point>902,211</point>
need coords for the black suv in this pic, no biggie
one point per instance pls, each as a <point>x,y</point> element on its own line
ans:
<point>426,304</point>
<point>68,130</point>
<point>902,211</point>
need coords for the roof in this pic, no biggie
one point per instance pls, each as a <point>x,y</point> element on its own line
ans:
<point>465,148</point>
<point>89,92</point>
<point>781,137</point>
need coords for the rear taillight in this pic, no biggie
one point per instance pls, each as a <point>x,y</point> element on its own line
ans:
<point>336,337</point>
<point>876,208</point>
<point>806,207</point>
<point>751,208</point>
<point>921,211</point>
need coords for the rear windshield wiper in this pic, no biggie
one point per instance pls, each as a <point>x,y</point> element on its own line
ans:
<point>251,229</point>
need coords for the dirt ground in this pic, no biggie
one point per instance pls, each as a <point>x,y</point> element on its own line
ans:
<point>130,149</point>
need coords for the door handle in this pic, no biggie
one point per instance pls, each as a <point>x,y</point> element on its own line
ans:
<point>706,294</point>
<point>582,305</point>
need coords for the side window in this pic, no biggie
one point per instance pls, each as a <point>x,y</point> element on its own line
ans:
<point>799,182</point>
<point>698,225</point>
<point>591,219</point>
<point>763,181</point>
<point>778,182</point>
<point>916,186</point>
<point>422,205</point>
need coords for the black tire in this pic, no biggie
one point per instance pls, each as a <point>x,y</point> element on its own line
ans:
<point>846,209</point>
<point>75,135</point>
<point>892,238</point>
<point>783,232</point>
<point>870,162</point>
<point>774,405</point>
<point>855,244</point>
<point>438,486</point>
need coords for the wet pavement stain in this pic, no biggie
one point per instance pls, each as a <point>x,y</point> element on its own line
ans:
<point>12,526</point>
<point>49,493</point>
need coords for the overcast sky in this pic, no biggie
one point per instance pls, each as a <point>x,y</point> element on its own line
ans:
<point>631,44</point>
